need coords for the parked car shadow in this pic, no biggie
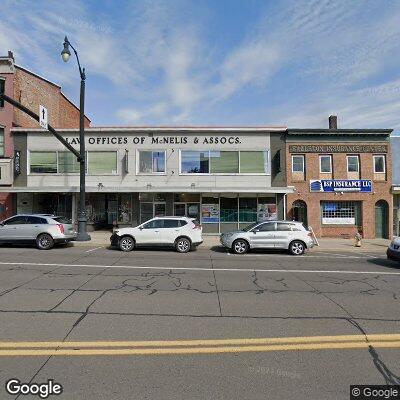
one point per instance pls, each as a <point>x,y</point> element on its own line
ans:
<point>144,249</point>
<point>384,262</point>
<point>222,249</point>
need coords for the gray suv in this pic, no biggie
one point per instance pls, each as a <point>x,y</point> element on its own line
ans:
<point>42,229</point>
<point>289,235</point>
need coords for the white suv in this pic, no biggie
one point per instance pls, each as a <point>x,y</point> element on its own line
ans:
<point>180,232</point>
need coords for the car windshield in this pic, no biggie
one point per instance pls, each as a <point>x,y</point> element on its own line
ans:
<point>250,227</point>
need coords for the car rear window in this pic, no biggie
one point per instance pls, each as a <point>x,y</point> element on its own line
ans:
<point>62,220</point>
<point>284,227</point>
<point>171,223</point>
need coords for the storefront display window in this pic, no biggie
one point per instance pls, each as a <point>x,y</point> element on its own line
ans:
<point>102,162</point>
<point>124,208</point>
<point>340,212</point>
<point>224,162</point>
<point>43,162</point>
<point>210,210</point>
<point>267,209</point>
<point>247,209</point>
<point>229,209</point>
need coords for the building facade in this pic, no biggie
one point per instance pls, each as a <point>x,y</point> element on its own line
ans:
<point>31,90</point>
<point>342,180</point>
<point>395,147</point>
<point>226,177</point>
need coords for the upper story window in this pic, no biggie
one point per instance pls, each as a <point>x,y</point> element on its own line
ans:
<point>298,163</point>
<point>353,164</point>
<point>2,89</point>
<point>379,164</point>
<point>1,142</point>
<point>67,162</point>
<point>61,162</point>
<point>43,162</point>
<point>325,164</point>
<point>102,162</point>
<point>224,162</point>
<point>151,162</point>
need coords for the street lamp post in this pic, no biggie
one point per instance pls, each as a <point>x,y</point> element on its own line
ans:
<point>82,221</point>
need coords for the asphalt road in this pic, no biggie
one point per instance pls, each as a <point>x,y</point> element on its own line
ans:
<point>205,325</point>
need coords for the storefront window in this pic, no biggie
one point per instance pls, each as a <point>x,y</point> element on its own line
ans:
<point>195,162</point>
<point>340,213</point>
<point>267,209</point>
<point>124,208</point>
<point>210,210</point>
<point>151,162</point>
<point>102,162</point>
<point>229,209</point>
<point>247,209</point>
<point>224,162</point>
<point>67,162</point>
<point>253,162</point>
<point>43,162</point>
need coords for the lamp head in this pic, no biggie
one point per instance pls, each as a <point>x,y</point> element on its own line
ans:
<point>66,54</point>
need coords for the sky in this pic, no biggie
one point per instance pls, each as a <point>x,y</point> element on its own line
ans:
<point>217,62</point>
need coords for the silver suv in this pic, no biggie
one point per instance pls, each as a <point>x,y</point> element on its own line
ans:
<point>289,235</point>
<point>42,229</point>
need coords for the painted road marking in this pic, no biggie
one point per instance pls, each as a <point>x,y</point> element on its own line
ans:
<point>298,271</point>
<point>169,347</point>
<point>97,248</point>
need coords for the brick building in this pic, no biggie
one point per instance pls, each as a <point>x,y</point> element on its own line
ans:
<point>342,180</point>
<point>31,90</point>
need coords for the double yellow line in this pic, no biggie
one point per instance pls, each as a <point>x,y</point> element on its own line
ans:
<point>170,347</point>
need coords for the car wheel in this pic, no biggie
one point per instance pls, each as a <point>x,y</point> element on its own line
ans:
<point>183,245</point>
<point>240,246</point>
<point>297,248</point>
<point>44,242</point>
<point>126,243</point>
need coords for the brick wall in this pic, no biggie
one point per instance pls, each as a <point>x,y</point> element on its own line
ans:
<point>32,91</point>
<point>381,191</point>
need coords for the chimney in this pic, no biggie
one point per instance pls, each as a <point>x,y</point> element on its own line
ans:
<point>11,55</point>
<point>333,122</point>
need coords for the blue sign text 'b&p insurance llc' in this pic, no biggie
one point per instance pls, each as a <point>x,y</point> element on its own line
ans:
<point>341,185</point>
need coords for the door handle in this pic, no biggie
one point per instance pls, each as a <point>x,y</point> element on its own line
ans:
<point>157,231</point>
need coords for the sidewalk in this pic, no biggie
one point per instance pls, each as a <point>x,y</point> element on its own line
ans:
<point>102,238</point>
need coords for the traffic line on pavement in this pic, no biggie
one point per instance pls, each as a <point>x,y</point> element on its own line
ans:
<point>216,269</point>
<point>170,347</point>
<point>97,248</point>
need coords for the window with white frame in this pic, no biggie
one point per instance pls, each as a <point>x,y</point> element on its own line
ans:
<point>353,163</point>
<point>61,162</point>
<point>325,164</point>
<point>151,162</point>
<point>340,212</point>
<point>224,162</point>
<point>379,164</point>
<point>298,163</point>
<point>102,162</point>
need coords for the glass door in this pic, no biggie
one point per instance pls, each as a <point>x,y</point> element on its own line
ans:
<point>160,209</point>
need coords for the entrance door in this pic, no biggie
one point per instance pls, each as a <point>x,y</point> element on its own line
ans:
<point>112,211</point>
<point>300,212</point>
<point>381,219</point>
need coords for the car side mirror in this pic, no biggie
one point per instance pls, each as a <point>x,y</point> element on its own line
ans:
<point>141,228</point>
<point>1,223</point>
<point>255,230</point>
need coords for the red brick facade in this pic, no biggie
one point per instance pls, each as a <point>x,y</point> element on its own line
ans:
<point>381,186</point>
<point>31,90</point>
